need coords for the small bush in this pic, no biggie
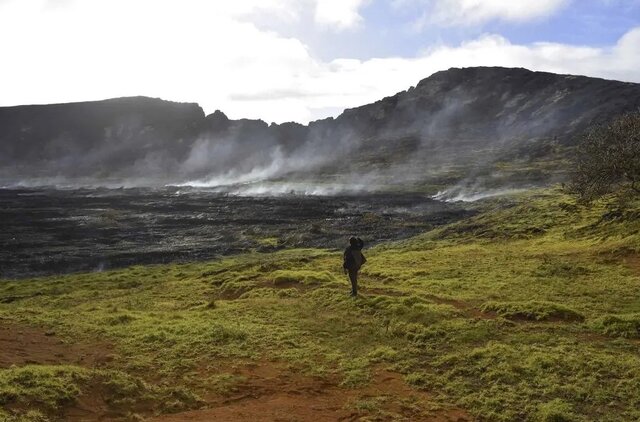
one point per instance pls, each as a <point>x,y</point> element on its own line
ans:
<point>607,159</point>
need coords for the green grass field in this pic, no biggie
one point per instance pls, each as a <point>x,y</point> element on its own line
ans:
<point>528,311</point>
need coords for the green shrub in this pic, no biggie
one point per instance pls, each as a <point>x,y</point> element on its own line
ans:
<point>606,159</point>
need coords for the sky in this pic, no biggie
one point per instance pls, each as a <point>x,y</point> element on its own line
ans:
<point>296,60</point>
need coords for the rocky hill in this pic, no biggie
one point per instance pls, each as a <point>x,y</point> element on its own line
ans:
<point>95,139</point>
<point>454,124</point>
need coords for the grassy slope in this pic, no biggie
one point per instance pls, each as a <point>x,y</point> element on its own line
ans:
<point>524,312</point>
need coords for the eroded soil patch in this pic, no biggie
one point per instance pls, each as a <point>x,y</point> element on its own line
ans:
<point>271,392</point>
<point>633,262</point>
<point>23,345</point>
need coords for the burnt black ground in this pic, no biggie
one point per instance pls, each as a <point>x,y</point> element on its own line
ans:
<point>47,231</point>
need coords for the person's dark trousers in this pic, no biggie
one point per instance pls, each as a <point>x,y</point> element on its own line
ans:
<point>353,276</point>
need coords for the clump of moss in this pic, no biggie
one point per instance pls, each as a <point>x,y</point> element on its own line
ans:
<point>555,411</point>
<point>225,383</point>
<point>267,293</point>
<point>41,386</point>
<point>560,268</point>
<point>627,326</point>
<point>383,354</point>
<point>120,319</point>
<point>417,379</point>
<point>301,276</point>
<point>356,372</point>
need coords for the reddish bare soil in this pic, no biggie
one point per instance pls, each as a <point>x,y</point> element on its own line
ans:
<point>633,261</point>
<point>271,392</point>
<point>22,345</point>
<point>267,391</point>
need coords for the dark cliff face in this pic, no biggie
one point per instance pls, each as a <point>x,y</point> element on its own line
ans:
<point>489,102</point>
<point>98,138</point>
<point>450,117</point>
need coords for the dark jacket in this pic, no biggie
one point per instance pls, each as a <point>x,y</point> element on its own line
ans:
<point>353,258</point>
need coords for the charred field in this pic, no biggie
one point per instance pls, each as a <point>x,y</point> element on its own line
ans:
<point>53,231</point>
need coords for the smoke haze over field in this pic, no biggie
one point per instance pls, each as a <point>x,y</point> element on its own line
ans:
<point>459,127</point>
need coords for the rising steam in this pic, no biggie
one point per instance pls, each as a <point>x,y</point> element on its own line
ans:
<point>450,132</point>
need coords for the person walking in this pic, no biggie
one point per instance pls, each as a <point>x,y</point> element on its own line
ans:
<point>353,259</point>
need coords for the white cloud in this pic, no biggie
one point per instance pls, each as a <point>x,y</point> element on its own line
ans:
<point>192,50</point>
<point>347,83</point>
<point>620,61</point>
<point>210,52</point>
<point>473,12</point>
<point>341,14</point>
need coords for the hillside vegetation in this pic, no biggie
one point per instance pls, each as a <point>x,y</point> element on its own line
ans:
<point>529,310</point>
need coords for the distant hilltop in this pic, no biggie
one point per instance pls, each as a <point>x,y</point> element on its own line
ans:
<point>454,117</point>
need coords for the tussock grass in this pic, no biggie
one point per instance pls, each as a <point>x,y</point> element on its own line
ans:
<point>533,310</point>
<point>44,390</point>
<point>280,277</point>
<point>48,387</point>
<point>625,325</point>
